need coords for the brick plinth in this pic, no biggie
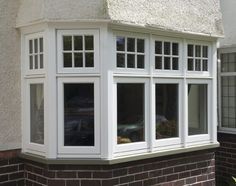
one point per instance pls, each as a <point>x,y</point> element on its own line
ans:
<point>226,159</point>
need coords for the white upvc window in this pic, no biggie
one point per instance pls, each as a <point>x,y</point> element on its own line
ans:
<point>78,51</point>
<point>78,116</point>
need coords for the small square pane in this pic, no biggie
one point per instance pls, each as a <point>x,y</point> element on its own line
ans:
<point>67,58</point>
<point>167,48</point>
<point>67,42</point>
<point>35,45</point>
<point>88,42</point>
<point>190,50</point>
<point>205,65</point>
<point>175,63</point>
<point>130,44</point>
<point>140,45</point>
<point>41,60</point>
<point>36,66</point>
<point>190,64</point>
<point>158,47</point>
<point>131,61</point>
<point>120,43</point>
<point>175,49</point>
<point>78,58</point>
<point>197,51</point>
<point>120,60</point>
<point>140,61</point>
<point>205,51</point>
<point>31,63</point>
<point>41,44</point>
<point>198,65</point>
<point>78,42</point>
<point>158,62</point>
<point>30,46</point>
<point>89,59</point>
<point>166,63</point>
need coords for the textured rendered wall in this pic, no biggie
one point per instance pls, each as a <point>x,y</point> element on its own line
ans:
<point>10,105</point>
<point>228,14</point>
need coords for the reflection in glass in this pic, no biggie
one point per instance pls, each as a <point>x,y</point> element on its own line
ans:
<point>130,112</point>
<point>166,111</point>
<point>36,114</point>
<point>79,114</point>
<point>120,43</point>
<point>197,109</point>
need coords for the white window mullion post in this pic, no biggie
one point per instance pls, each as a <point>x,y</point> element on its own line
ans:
<point>152,115</point>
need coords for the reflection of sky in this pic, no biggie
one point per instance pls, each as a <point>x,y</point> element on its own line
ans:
<point>120,40</point>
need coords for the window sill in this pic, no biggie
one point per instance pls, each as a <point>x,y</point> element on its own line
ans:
<point>117,160</point>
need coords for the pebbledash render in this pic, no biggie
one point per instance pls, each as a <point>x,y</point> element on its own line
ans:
<point>114,92</point>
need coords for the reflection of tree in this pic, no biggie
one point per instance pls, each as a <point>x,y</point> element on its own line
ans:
<point>39,123</point>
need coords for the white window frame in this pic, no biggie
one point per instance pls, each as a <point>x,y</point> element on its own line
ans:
<point>79,151</point>
<point>160,144</point>
<point>60,34</point>
<point>201,138</point>
<point>30,146</point>
<point>27,69</point>
<point>135,147</point>
<point>146,52</point>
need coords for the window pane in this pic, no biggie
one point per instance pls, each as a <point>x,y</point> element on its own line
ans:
<point>120,58</point>
<point>205,65</point>
<point>67,59</point>
<point>79,114</point>
<point>88,42</point>
<point>197,109</point>
<point>158,47</point>
<point>67,42</point>
<point>130,112</point>
<point>41,60</point>
<point>131,61</point>
<point>78,42</point>
<point>89,59</point>
<point>205,51</point>
<point>120,43</point>
<point>36,66</point>
<point>36,114</point>
<point>78,59</point>
<point>30,46</point>
<point>190,50</point>
<point>167,48</point>
<point>197,64</point>
<point>197,51</point>
<point>41,44</point>
<point>35,45</point>
<point>140,61</point>
<point>228,62</point>
<point>130,44</point>
<point>175,49</point>
<point>158,62</point>
<point>140,45</point>
<point>175,63</point>
<point>166,63</point>
<point>31,62</point>
<point>166,111</point>
<point>190,64</point>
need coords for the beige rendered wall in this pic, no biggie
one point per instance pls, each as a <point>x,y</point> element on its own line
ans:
<point>10,104</point>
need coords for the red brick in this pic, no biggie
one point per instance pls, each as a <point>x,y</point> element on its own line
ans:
<point>66,174</point>
<point>126,179</point>
<point>56,183</point>
<point>91,183</point>
<point>141,176</point>
<point>73,183</point>
<point>120,172</point>
<point>107,174</point>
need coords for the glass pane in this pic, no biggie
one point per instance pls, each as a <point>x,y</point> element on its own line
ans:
<point>78,42</point>
<point>36,113</point>
<point>140,45</point>
<point>158,62</point>
<point>130,44</point>
<point>67,42</point>
<point>88,42</point>
<point>190,64</point>
<point>166,63</point>
<point>205,65</point>
<point>79,114</point>
<point>231,62</point>
<point>197,109</point>
<point>89,59</point>
<point>175,49</point>
<point>120,60</point>
<point>140,61</point>
<point>36,66</point>
<point>224,62</point>
<point>31,62</point>
<point>166,111</point>
<point>78,57</point>
<point>67,59</point>
<point>120,43</point>
<point>205,51</point>
<point>175,64</point>
<point>197,64</point>
<point>158,47</point>
<point>41,44</point>
<point>41,61</point>
<point>30,46</point>
<point>167,48</point>
<point>130,112</point>
<point>197,51</point>
<point>190,50</point>
<point>131,61</point>
<point>35,45</point>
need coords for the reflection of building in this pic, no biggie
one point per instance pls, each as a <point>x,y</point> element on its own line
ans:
<point>106,65</point>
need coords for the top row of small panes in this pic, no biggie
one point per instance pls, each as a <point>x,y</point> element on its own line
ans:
<point>78,43</point>
<point>130,45</point>
<point>197,51</point>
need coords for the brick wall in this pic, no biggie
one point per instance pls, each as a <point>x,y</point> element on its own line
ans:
<point>197,169</point>
<point>226,159</point>
<point>11,168</point>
